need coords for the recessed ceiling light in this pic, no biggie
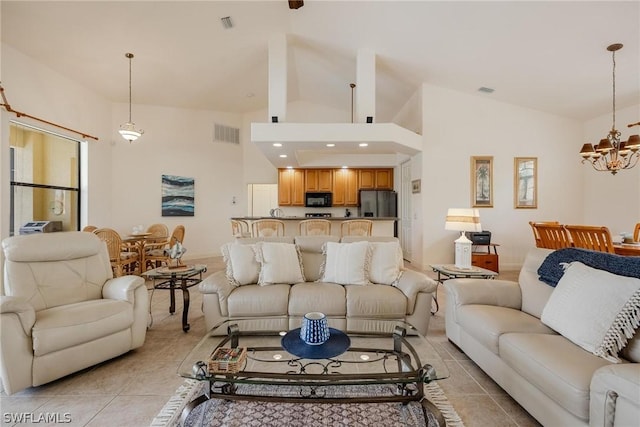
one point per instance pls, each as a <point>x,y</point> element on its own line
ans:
<point>251,95</point>
<point>363,144</point>
<point>283,155</point>
<point>277,144</point>
<point>486,89</point>
<point>331,145</point>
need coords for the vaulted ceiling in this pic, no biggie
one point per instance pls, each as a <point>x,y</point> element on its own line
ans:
<point>548,56</point>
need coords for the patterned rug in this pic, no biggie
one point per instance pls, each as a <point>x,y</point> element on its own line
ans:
<point>220,412</point>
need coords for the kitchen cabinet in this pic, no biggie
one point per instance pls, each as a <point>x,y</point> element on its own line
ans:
<point>375,179</point>
<point>345,187</point>
<point>318,180</point>
<point>291,187</point>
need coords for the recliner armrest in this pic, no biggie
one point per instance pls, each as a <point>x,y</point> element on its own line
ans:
<point>122,288</point>
<point>413,282</point>
<point>501,293</point>
<point>22,309</point>
<point>615,395</point>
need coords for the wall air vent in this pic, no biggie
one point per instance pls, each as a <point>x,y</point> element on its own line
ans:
<point>223,133</point>
<point>226,22</point>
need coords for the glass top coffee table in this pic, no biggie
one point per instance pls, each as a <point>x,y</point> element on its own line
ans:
<point>391,363</point>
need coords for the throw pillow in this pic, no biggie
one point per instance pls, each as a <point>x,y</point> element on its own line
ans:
<point>595,309</point>
<point>347,263</point>
<point>280,263</point>
<point>386,263</point>
<point>240,260</point>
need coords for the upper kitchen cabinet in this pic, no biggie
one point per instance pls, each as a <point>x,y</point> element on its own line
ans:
<point>318,180</point>
<point>345,187</point>
<point>376,179</point>
<point>291,187</point>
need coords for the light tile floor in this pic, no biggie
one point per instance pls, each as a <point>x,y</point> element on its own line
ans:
<point>131,389</point>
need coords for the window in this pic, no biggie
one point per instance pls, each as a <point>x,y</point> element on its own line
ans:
<point>45,178</point>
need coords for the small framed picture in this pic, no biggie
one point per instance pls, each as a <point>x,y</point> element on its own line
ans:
<point>525,182</point>
<point>416,185</point>
<point>482,181</point>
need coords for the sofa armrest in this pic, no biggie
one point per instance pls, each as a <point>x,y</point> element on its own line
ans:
<point>21,308</point>
<point>615,395</point>
<point>217,283</point>
<point>413,282</point>
<point>501,293</point>
<point>122,288</point>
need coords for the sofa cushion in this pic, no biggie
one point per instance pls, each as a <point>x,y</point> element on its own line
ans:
<point>347,263</point>
<point>535,292</point>
<point>256,301</point>
<point>555,366</point>
<point>279,263</point>
<point>74,324</point>
<point>311,254</point>
<point>327,298</point>
<point>376,301</point>
<point>487,323</point>
<point>583,291</point>
<point>242,268</point>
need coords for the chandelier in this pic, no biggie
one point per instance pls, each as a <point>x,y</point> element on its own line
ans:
<point>128,130</point>
<point>611,154</point>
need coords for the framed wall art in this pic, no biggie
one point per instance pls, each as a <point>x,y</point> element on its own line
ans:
<point>178,195</point>
<point>482,181</point>
<point>525,182</point>
<point>416,185</point>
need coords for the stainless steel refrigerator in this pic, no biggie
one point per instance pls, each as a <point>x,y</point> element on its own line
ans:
<point>378,203</point>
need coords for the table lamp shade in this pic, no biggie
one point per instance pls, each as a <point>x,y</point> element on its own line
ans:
<point>463,220</point>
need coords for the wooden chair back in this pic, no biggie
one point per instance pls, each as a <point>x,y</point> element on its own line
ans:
<point>314,227</point>
<point>267,227</point>
<point>636,233</point>
<point>90,228</point>
<point>120,257</point>
<point>177,235</point>
<point>590,237</point>
<point>553,236</point>
<point>536,234</point>
<point>356,227</point>
<point>240,228</point>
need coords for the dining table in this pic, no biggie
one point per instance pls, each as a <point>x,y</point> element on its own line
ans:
<point>627,249</point>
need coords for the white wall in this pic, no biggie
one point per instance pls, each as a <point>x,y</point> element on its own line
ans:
<point>458,126</point>
<point>178,142</point>
<point>612,200</point>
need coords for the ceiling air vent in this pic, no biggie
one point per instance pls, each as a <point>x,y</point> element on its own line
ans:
<point>223,133</point>
<point>486,89</point>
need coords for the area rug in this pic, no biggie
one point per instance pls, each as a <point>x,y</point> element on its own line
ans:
<point>219,412</point>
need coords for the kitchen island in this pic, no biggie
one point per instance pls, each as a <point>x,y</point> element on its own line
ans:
<point>382,226</point>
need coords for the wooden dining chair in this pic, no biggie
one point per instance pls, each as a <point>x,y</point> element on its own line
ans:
<point>90,228</point>
<point>157,257</point>
<point>159,232</point>
<point>636,233</point>
<point>553,236</point>
<point>356,227</point>
<point>123,260</point>
<point>240,228</point>
<point>314,227</point>
<point>536,234</point>
<point>267,227</point>
<point>590,237</point>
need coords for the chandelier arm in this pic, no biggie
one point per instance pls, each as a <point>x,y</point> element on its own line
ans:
<point>613,125</point>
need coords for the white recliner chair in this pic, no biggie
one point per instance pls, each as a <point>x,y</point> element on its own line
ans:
<point>61,309</point>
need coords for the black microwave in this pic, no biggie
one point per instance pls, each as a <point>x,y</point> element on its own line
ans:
<point>318,200</point>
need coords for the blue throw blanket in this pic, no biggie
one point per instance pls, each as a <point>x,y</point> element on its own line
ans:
<point>551,269</point>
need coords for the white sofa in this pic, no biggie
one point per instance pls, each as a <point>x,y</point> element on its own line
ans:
<point>348,307</point>
<point>61,309</point>
<point>497,324</point>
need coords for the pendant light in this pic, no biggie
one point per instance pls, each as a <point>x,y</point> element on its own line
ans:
<point>128,130</point>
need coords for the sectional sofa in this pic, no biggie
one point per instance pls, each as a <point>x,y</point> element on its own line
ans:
<point>503,327</point>
<point>334,278</point>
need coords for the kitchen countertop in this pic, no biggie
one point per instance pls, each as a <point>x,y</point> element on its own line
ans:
<point>301,218</point>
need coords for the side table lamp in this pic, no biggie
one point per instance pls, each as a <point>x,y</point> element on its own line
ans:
<point>463,220</point>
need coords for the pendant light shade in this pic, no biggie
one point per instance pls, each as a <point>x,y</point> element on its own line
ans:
<point>128,130</point>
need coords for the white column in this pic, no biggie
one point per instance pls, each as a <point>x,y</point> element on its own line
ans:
<point>365,85</point>
<point>278,77</point>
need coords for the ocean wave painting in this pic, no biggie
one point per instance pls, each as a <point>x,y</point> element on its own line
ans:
<point>178,194</point>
